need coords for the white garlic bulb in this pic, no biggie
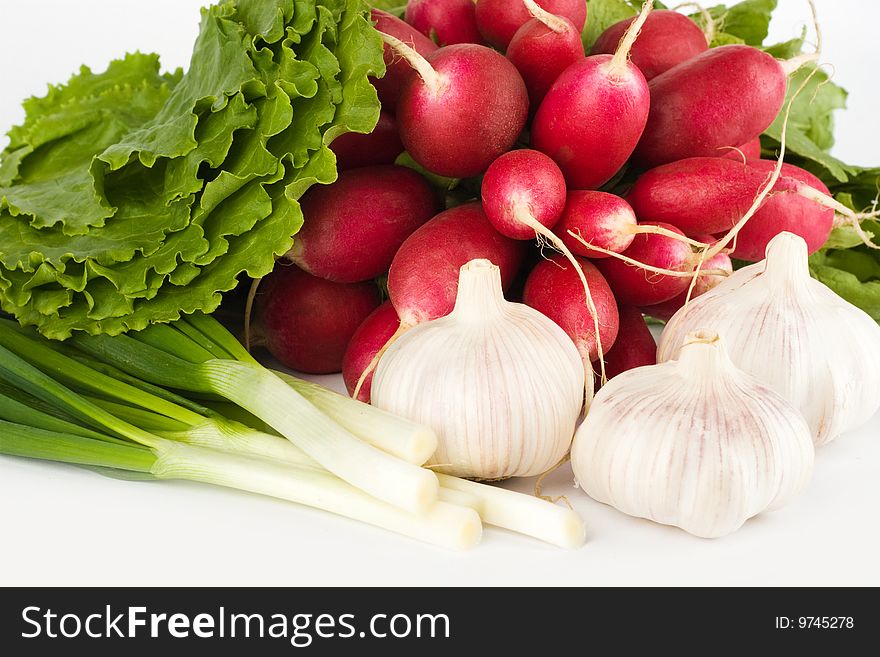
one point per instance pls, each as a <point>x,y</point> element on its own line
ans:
<point>794,334</point>
<point>694,442</point>
<point>500,383</point>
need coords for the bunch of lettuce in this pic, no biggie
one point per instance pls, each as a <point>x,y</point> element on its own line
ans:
<point>845,265</point>
<point>131,197</point>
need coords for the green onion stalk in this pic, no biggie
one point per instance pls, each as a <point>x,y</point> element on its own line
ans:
<point>115,395</point>
<point>106,441</point>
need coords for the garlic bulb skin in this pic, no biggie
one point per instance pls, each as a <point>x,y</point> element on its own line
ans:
<point>500,383</point>
<point>694,442</point>
<point>794,334</point>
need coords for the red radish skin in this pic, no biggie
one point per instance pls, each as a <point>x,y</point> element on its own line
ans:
<point>466,106</point>
<point>722,97</point>
<point>423,280</point>
<point>523,182</point>
<point>382,146</point>
<point>554,289</point>
<point>445,21</point>
<point>353,228</point>
<point>370,337</point>
<point>635,346</point>
<point>498,20</point>
<point>719,262</point>
<point>790,171</point>
<point>699,195</point>
<point>397,69</point>
<point>307,322</point>
<point>638,286</point>
<point>710,195</point>
<point>593,116</point>
<point>541,53</point>
<point>667,39</point>
<point>785,211</point>
<point>602,219</point>
<point>749,151</point>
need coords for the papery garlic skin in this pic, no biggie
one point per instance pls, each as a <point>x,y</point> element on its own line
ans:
<point>694,443</point>
<point>794,334</point>
<point>500,383</point>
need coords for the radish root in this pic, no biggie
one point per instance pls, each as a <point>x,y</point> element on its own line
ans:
<point>249,312</point>
<point>850,218</point>
<point>524,216</point>
<point>552,21</point>
<point>793,64</point>
<point>709,29</point>
<point>650,268</point>
<point>429,76</point>
<point>641,229</point>
<point>374,363</point>
<point>539,484</point>
<point>696,277</point>
<point>621,55</point>
<point>738,150</point>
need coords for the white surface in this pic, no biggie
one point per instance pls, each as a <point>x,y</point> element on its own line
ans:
<point>62,525</point>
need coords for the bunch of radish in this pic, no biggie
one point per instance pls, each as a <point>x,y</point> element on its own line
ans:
<point>605,186</point>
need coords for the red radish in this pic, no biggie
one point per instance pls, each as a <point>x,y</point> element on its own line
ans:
<point>667,39</point>
<point>307,322</point>
<point>353,228</point>
<point>635,284</point>
<point>719,263</point>
<point>601,219</point>
<point>542,49</point>
<point>790,171</point>
<point>748,151</point>
<point>594,114</point>
<point>397,69</point>
<point>785,211</point>
<point>423,280</point>
<point>370,337</point>
<point>723,97</point>
<point>523,196</point>
<point>465,106</point>
<point>635,346</point>
<point>382,146</point>
<point>699,195</point>
<point>445,21</point>
<point>600,225</point>
<point>711,194</point>
<point>498,20</point>
<point>555,289</point>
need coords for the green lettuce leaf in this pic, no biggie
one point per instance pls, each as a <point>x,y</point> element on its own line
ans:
<point>853,274</point>
<point>176,185</point>
<point>746,22</point>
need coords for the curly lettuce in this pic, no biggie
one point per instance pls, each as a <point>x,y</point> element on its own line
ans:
<point>131,197</point>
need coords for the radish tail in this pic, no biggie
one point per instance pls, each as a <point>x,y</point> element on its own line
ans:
<point>552,21</point>
<point>249,313</point>
<point>525,216</point>
<point>671,234</point>
<point>429,76</point>
<point>708,25</point>
<point>793,64</point>
<point>650,268</point>
<point>374,363</point>
<point>621,55</point>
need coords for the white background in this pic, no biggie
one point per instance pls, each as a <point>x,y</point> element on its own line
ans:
<point>61,525</point>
